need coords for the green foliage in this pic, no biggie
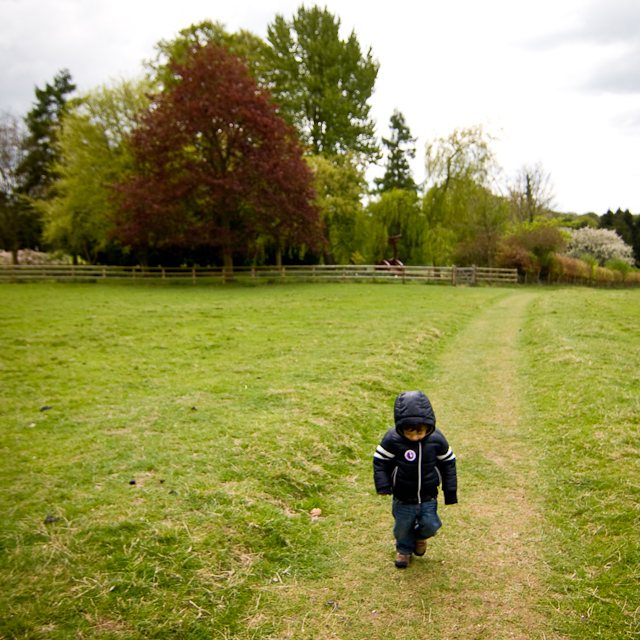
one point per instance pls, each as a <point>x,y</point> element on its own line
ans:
<point>393,213</point>
<point>529,248</point>
<point>322,83</point>
<point>252,49</point>
<point>488,216</point>
<point>462,157</point>
<point>400,148</point>
<point>95,153</point>
<point>626,225</point>
<point>44,122</point>
<point>616,264</point>
<point>37,174</point>
<point>574,221</point>
<point>588,259</point>
<point>340,186</point>
<point>458,202</point>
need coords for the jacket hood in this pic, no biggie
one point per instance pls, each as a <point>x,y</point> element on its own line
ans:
<point>411,408</point>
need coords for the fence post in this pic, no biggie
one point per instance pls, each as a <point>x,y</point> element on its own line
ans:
<point>453,275</point>
<point>134,272</point>
<point>162,269</point>
<point>253,272</point>
<point>313,273</point>
<point>193,274</point>
<point>473,276</point>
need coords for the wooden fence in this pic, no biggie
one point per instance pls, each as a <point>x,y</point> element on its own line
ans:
<point>311,273</point>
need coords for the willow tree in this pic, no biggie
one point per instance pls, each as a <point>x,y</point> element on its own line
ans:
<point>456,167</point>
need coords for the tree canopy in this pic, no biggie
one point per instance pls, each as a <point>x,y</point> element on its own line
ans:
<point>216,166</point>
<point>340,185</point>
<point>400,148</point>
<point>43,123</point>
<point>94,153</point>
<point>322,83</point>
<point>244,44</point>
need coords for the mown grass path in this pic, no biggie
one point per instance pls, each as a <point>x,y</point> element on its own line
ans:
<point>480,577</point>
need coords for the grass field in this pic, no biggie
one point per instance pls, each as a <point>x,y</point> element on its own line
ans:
<point>236,411</point>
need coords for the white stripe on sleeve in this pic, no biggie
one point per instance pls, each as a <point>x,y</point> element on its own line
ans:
<point>384,452</point>
<point>447,456</point>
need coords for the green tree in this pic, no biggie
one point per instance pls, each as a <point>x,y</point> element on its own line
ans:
<point>488,220</point>
<point>397,212</point>
<point>340,186</point>
<point>627,226</point>
<point>94,153</point>
<point>323,83</point>
<point>37,172</point>
<point>400,148</point>
<point>244,44</point>
<point>456,166</point>
<point>43,123</point>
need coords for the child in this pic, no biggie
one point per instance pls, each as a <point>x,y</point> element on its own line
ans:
<point>410,462</point>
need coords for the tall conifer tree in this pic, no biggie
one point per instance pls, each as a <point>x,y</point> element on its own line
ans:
<point>400,148</point>
<point>37,173</point>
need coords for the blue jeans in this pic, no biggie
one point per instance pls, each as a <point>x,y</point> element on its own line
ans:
<point>414,522</point>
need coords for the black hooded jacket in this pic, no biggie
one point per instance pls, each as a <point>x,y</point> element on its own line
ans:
<point>412,471</point>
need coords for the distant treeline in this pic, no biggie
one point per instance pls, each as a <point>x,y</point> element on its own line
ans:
<point>234,150</point>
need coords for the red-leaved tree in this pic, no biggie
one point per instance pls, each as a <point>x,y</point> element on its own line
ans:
<point>216,166</point>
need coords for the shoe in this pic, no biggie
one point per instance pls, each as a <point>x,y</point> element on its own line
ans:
<point>402,561</point>
<point>421,547</point>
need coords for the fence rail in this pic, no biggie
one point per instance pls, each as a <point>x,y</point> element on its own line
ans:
<point>312,273</point>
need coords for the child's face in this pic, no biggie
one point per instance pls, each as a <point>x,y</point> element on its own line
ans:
<point>416,433</point>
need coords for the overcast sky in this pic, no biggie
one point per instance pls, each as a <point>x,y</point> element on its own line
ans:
<point>558,81</point>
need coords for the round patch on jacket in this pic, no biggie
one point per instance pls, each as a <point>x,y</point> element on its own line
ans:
<point>410,455</point>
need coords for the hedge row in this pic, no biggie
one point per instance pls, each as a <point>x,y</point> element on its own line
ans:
<point>565,270</point>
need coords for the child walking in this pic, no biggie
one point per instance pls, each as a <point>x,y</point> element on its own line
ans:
<point>412,460</point>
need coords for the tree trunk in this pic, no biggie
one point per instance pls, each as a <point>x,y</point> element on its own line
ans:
<point>227,255</point>
<point>279,255</point>
<point>14,256</point>
<point>328,257</point>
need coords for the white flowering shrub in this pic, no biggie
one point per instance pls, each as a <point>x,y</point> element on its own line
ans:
<point>28,256</point>
<point>603,245</point>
